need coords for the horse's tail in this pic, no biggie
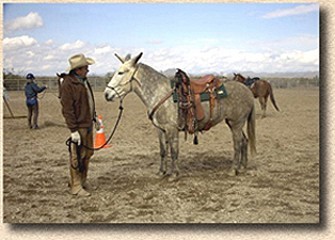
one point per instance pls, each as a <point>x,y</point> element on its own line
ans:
<point>251,130</point>
<point>272,97</point>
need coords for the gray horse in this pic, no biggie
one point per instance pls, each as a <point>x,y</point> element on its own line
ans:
<point>154,89</point>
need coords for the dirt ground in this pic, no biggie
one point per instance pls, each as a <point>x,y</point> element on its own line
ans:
<point>281,184</point>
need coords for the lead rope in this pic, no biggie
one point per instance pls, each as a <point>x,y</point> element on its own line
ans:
<point>80,165</point>
<point>69,140</point>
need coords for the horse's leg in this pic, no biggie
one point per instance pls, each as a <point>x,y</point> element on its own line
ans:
<point>163,150</point>
<point>174,148</point>
<point>265,104</point>
<point>244,152</point>
<point>262,102</point>
<point>237,133</point>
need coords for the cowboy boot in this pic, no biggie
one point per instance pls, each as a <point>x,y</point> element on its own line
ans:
<point>85,184</point>
<point>76,187</point>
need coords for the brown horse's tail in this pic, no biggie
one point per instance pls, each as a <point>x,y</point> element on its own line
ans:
<point>272,97</point>
<point>251,130</point>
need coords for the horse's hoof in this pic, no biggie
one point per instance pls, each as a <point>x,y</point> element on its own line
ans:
<point>232,172</point>
<point>173,178</point>
<point>161,173</point>
<point>242,169</point>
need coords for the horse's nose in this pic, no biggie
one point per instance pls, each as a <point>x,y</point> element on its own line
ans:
<point>106,96</point>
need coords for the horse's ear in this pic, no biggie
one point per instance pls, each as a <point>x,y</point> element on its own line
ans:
<point>235,74</point>
<point>120,58</point>
<point>127,57</point>
<point>137,58</point>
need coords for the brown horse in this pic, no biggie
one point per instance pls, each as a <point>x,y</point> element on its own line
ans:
<point>261,89</point>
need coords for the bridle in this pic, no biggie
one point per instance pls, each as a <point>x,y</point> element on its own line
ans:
<point>131,79</point>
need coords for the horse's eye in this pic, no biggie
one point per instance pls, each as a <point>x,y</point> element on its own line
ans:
<point>120,73</point>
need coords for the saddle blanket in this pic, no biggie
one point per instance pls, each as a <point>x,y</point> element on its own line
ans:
<point>250,81</point>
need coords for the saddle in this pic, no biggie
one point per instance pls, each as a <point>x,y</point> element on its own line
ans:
<point>250,81</point>
<point>208,84</point>
<point>190,94</point>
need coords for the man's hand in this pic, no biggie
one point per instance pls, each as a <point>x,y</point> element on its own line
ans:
<point>75,137</point>
<point>97,125</point>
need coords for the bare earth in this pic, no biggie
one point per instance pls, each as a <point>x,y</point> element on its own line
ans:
<point>280,186</point>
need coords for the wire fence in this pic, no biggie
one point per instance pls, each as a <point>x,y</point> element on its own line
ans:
<point>99,83</point>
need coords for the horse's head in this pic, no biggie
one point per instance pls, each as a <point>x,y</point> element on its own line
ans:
<point>121,83</point>
<point>238,77</point>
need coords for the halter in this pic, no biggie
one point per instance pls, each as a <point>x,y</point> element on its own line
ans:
<point>129,81</point>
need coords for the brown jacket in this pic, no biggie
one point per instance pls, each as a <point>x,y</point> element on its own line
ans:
<point>75,103</point>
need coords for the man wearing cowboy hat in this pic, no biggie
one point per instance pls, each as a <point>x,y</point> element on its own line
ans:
<point>78,110</point>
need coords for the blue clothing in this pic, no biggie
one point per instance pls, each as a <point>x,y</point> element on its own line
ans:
<point>31,90</point>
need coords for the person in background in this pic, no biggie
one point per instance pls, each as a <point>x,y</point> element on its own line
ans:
<point>5,92</point>
<point>31,89</point>
<point>79,113</point>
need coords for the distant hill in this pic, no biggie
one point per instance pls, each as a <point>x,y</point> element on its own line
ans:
<point>310,74</point>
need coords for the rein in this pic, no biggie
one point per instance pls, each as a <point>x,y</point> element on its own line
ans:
<point>168,95</point>
<point>69,140</point>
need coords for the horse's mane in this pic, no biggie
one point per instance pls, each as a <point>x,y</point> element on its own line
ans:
<point>152,77</point>
<point>147,68</point>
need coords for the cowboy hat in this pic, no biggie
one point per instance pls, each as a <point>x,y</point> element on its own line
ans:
<point>79,60</point>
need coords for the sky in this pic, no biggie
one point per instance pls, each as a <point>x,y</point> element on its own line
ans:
<point>196,37</point>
